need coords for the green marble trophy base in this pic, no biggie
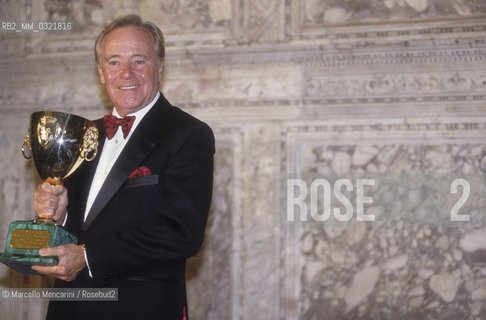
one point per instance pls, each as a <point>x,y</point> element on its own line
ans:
<point>24,240</point>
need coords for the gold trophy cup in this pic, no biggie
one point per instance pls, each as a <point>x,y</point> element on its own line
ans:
<point>58,142</point>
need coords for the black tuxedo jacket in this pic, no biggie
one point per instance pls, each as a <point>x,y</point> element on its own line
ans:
<point>140,231</point>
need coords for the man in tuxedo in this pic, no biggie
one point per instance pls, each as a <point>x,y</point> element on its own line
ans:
<point>139,209</point>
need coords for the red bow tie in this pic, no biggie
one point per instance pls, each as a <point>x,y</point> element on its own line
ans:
<point>111,124</point>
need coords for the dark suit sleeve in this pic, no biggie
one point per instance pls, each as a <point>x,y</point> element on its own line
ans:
<point>174,231</point>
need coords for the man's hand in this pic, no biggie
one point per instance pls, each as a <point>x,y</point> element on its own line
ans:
<point>50,200</point>
<point>71,262</point>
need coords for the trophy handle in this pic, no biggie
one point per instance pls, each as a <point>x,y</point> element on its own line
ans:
<point>88,150</point>
<point>26,148</point>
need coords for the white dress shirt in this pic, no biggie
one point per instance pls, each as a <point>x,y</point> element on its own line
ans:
<point>111,150</point>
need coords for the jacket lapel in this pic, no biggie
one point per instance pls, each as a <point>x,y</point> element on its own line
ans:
<point>142,141</point>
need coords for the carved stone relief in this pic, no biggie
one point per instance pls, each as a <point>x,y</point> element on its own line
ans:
<point>189,16</point>
<point>295,87</point>
<point>87,15</point>
<point>329,12</point>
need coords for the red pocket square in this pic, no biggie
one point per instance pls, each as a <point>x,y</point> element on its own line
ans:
<point>140,172</point>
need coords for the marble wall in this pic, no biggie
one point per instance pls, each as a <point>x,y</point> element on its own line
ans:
<point>388,90</point>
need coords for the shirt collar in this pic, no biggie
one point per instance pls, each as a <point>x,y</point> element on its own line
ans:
<point>139,114</point>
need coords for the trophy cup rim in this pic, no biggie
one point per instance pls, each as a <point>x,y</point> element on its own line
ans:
<point>57,142</point>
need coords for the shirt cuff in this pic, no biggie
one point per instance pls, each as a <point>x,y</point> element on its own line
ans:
<point>87,264</point>
<point>65,219</point>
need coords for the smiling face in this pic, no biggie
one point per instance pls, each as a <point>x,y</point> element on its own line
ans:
<point>129,69</point>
